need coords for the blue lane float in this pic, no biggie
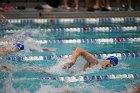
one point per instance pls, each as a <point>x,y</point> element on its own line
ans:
<point>76,41</point>
<point>86,78</point>
<point>76,20</point>
<point>85,29</point>
<point>41,58</point>
<point>103,40</point>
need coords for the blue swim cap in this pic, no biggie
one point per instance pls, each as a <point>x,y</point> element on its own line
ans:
<point>114,59</point>
<point>19,45</point>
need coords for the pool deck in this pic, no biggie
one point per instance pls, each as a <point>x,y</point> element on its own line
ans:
<point>61,13</point>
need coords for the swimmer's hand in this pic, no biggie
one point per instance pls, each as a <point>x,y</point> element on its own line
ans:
<point>49,49</point>
<point>4,20</point>
<point>68,65</point>
<point>5,67</point>
<point>46,72</point>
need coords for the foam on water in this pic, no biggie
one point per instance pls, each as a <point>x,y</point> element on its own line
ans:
<point>29,42</point>
<point>32,45</point>
<point>79,88</point>
<point>122,65</point>
<point>75,69</point>
<point>57,68</point>
<point>129,89</point>
<point>52,89</point>
<point>8,86</point>
<point>22,34</point>
<point>33,68</point>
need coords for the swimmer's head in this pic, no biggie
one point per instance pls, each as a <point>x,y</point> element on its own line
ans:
<point>113,60</point>
<point>19,45</point>
<point>110,61</point>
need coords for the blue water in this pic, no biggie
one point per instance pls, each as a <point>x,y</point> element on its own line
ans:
<point>27,77</point>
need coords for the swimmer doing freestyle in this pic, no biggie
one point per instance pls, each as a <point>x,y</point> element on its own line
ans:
<point>91,60</point>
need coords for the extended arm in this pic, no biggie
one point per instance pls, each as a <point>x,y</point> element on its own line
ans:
<point>7,39</point>
<point>44,49</point>
<point>48,49</point>
<point>8,49</point>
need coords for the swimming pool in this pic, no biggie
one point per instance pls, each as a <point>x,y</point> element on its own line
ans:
<point>100,36</point>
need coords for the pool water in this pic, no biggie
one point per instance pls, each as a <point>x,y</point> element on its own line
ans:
<point>99,36</point>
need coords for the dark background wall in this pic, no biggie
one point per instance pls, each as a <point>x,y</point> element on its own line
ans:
<point>32,3</point>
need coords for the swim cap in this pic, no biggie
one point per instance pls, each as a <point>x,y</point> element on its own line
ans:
<point>114,59</point>
<point>19,45</point>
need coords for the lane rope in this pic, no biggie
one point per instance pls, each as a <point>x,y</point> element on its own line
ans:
<point>75,41</point>
<point>130,20</point>
<point>86,78</point>
<point>41,58</point>
<point>84,29</point>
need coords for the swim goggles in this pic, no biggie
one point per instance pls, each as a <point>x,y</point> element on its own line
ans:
<point>112,62</point>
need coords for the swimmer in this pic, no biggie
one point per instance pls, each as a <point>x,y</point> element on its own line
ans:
<point>16,47</point>
<point>4,20</point>
<point>91,60</point>
<point>25,39</point>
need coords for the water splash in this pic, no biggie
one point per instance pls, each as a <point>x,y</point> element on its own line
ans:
<point>129,89</point>
<point>31,44</point>
<point>57,68</point>
<point>79,88</point>
<point>52,89</point>
<point>8,86</point>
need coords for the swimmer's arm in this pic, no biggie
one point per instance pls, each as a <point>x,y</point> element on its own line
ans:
<point>7,50</point>
<point>48,49</point>
<point>45,71</point>
<point>5,39</point>
<point>44,49</point>
<point>4,50</point>
<point>85,66</point>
